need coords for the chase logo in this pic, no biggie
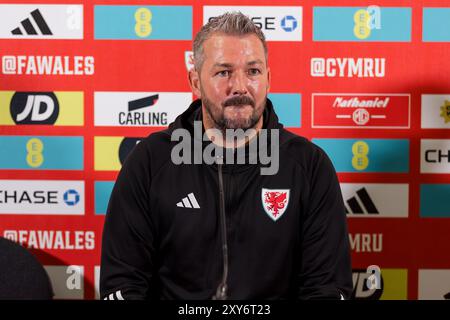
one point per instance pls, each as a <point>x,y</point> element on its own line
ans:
<point>143,22</point>
<point>289,23</point>
<point>278,23</point>
<point>41,108</point>
<point>111,152</point>
<point>288,108</point>
<point>435,25</point>
<point>372,23</point>
<point>48,197</point>
<point>71,197</point>
<point>435,156</point>
<point>392,285</point>
<point>368,155</point>
<point>434,200</point>
<point>41,21</point>
<point>44,153</point>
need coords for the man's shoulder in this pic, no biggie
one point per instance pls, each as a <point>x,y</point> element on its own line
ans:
<point>159,140</point>
<point>151,150</point>
<point>299,148</point>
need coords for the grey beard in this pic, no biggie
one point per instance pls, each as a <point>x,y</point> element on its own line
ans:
<point>221,123</point>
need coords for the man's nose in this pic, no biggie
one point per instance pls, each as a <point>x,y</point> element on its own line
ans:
<point>238,83</point>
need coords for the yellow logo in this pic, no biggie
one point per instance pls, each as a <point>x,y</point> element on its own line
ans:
<point>360,150</point>
<point>395,284</point>
<point>445,111</point>
<point>35,157</point>
<point>70,107</point>
<point>361,29</point>
<point>106,153</point>
<point>143,27</point>
<point>365,21</point>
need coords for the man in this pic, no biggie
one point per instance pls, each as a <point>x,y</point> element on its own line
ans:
<point>224,230</point>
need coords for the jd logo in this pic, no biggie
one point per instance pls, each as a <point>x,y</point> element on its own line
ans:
<point>367,284</point>
<point>34,108</point>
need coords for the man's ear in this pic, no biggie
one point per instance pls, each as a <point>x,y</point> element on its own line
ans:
<point>269,78</point>
<point>194,82</point>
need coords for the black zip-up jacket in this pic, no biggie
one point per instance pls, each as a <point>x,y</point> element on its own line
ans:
<point>202,231</point>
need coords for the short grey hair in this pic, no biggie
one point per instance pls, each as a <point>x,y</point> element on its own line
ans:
<point>230,23</point>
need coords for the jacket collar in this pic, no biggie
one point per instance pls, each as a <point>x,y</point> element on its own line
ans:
<point>194,113</point>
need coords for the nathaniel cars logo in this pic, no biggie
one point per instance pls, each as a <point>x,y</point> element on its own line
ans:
<point>153,109</point>
<point>51,197</point>
<point>48,65</point>
<point>278,23</point>
<point>348,67</point>
<point>331,110</point>
<point>24,21</point>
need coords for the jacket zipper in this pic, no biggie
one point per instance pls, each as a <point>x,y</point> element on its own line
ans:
<point>221,292</point>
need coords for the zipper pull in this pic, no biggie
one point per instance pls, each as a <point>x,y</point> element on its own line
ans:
<point>221,293</point>
<point>219,160</point>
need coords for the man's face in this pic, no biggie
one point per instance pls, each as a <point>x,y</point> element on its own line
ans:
<point>233,81</point>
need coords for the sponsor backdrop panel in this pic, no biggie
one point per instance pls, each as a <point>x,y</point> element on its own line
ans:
<point>82,84</point>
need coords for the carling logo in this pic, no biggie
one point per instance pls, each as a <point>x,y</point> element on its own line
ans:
<point>151,109</point>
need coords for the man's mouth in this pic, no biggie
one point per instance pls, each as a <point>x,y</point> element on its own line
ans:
<point>239,102</point>
<point>239,106</point>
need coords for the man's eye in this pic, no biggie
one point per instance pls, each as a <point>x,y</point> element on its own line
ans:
<point>223,73</point>
<point>254,72</point>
